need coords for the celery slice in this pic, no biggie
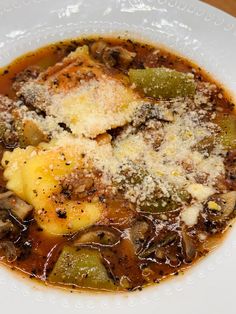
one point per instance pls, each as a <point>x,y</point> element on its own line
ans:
<point>228,131</point>
<point>81,267</point>
<point>163,82</point>
<point>164,204</point>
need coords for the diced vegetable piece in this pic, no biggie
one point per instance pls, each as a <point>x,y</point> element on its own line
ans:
<point>163,83</point>
<point>7,249</point>
<point>138,234</point>
<point>221,206</point>
<point>99,235</point>
<point>29,133</point>
<point>111,56</point>
<point>32,135</point>
<point>155,247</point>
<point>81,267</point>
<point>17,206</point>
<point>228,133</point>
<point>158,205</point>
<point>6,227</point>
<point>164,204</point>
<point>229,202</point>
<point>219,212</point>
<point>190,251</point>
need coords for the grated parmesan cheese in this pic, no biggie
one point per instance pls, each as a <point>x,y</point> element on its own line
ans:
<point>155,154</point>
<point>200,192</point>
<point>95,107</point>
<point>190,214</point>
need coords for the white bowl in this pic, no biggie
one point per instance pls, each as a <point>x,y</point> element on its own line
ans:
<point>193,29</point>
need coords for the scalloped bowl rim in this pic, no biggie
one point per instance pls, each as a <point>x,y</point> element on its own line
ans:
<point>192,29</point>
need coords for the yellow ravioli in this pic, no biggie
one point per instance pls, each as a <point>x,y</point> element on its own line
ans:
<point>34,175</point>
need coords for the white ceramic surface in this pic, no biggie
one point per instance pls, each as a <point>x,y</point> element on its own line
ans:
<point>194,29</point>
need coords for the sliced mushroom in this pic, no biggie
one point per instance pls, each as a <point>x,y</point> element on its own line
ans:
<point>229,202</point>
<point>158,246</point>
<point>168,239</point>
<point>221,206</point>
<point>230,165</point>
<point>150,250</point>
<point>138,234</point>
<point>17,206</point>
<point>5,195</point>
<point>100,235</point>
<point>148,274</point>
<point>160,253</point>
<point>9,227</point>
<point>190,251</point>
<point>97,48</point>
<point>8,250</point>
<point>125,282</point>
<point>4,214</point>
<point>112,56</point>
<point>219,211</point>
<point>5,227</point>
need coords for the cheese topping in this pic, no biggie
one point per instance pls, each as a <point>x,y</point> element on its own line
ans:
<point>190,214</point>
<point>200,192</point>
<point>95,107</point>
<point>162,154</point>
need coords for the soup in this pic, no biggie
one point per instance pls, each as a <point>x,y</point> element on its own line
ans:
<point>117,164</point>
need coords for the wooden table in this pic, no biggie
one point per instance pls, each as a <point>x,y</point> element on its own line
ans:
<point>228,6</point>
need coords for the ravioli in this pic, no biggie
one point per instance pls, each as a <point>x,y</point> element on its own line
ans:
<point>34,174</point>
<point>79,93</point>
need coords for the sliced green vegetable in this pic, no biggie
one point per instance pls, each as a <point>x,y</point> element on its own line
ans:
<point>164,204</point>
<point>163,83</point>
<point>81,267</point>
<point>158,205</point>
<point>227,124</point>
